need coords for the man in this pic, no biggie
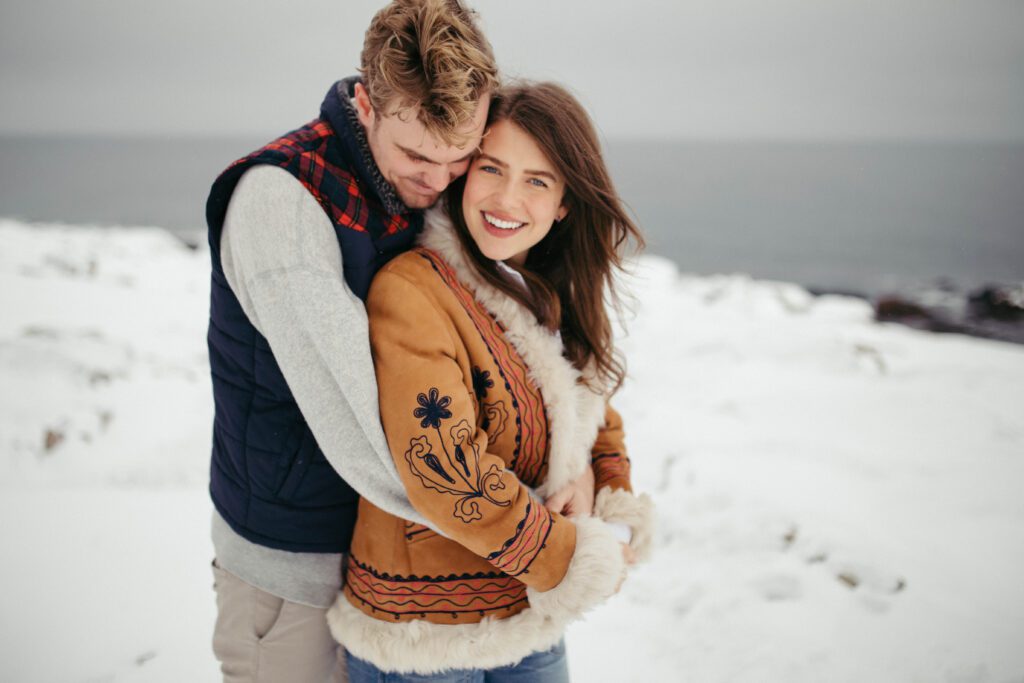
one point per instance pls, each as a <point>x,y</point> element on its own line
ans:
<point>297,230</point>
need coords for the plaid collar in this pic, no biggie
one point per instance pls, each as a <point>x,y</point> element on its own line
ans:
<point>340,112</point>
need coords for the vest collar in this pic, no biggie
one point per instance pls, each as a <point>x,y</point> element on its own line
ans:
<point>340,112</point>
<point>574,411</point>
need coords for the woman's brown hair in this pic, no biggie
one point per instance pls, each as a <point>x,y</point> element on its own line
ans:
<point>570,271</point>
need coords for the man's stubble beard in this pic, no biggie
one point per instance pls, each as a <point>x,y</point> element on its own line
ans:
<point>416,201</point>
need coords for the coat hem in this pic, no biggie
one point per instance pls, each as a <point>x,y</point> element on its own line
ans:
<point>423,647</point>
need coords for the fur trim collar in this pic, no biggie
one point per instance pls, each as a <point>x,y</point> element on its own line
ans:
<point>574,411</point>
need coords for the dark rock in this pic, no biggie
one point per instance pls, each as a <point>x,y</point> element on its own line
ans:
<point>851,580</point>
<point>51,439</point>
<point>992,312</point>
<point>998,303</point>
<point>893,308</point>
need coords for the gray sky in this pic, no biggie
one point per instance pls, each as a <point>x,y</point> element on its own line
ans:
<point>792,69</point>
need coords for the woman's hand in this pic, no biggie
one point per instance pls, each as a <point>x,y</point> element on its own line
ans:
<point>575,499</point>
<point>630,557</point>
<point>629,554</point>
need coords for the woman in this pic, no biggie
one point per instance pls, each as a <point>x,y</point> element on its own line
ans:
<point>494,362</point>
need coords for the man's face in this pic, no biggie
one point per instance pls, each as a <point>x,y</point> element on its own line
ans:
<point>414,162</point>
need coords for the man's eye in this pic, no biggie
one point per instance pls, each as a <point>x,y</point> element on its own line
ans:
<point>486,168</point>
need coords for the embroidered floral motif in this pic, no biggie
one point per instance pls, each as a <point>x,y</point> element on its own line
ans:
<point>432,409</point>
<point>495,415</point>
<point>481,382</point>
<point>463,461</point>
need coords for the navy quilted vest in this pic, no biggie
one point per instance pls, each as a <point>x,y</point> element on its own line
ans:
<point>268,478</point>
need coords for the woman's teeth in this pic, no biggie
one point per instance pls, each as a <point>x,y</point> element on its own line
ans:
<point>503,225</point>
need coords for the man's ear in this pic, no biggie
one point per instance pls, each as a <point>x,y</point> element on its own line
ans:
<point>364,108</point>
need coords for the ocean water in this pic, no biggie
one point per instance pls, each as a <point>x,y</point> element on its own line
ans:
<point>859,217</point>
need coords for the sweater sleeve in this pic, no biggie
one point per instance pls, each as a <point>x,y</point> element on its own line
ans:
<point>450,477</point>
<point>282,261</point>
<point>615,500</point>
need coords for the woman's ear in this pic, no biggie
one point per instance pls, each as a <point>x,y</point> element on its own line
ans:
<point>562,213</point>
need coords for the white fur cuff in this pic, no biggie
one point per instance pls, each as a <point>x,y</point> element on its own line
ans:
<point>637,512</point>
<point>595,571</point>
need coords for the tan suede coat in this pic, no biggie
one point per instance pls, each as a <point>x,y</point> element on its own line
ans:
<point>484,417</point>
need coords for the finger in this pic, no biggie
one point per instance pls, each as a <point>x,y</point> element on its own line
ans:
<point>557,502</point>
<point>629,554</point>
<point>587,478</point>
<point>585,503</point>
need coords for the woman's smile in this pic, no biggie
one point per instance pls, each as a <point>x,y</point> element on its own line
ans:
<point>500,227</point>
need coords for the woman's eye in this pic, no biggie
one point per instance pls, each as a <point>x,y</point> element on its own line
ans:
<point>537,182</point>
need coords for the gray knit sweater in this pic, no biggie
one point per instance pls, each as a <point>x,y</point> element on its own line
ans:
<point>281,259</point>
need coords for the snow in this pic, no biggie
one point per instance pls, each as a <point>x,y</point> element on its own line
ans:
<point>838,500</point>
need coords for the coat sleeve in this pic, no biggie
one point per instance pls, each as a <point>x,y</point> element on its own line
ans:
<point>608,456</point>
<point>281,259</point>
<point>450,477</point>
<point>615,500</point>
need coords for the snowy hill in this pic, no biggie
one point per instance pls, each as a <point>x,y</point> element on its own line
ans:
<point>838,500</point>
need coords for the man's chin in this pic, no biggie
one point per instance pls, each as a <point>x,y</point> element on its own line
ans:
<point>415,200</point>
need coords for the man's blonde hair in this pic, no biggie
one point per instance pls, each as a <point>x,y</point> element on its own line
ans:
<point>428,54</point>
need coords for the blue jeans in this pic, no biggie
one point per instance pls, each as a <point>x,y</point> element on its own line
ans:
<point>541,667</point>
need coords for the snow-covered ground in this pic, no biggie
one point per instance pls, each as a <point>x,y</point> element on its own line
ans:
<point>838,500</point>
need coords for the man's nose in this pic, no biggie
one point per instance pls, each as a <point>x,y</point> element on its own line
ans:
<point>438,177</point>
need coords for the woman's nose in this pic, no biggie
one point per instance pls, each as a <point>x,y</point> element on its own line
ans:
<point>507,195</point>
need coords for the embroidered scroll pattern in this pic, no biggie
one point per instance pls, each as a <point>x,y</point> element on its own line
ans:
<point>418,596</point>
<point>459,473</point>
<point>518,553</point>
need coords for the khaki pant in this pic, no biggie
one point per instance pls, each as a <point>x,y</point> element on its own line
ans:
<point>260,638</point>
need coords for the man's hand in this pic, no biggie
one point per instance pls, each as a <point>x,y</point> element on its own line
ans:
<point>575,499</point>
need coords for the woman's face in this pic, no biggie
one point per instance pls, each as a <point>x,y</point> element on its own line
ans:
<point>513,194</point>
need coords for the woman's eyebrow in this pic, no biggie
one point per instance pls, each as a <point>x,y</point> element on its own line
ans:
<point>499,162</point>
<point>543,174</point>
<point>493,160</point>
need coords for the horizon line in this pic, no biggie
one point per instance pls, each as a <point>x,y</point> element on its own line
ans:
<point>626,138</point>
